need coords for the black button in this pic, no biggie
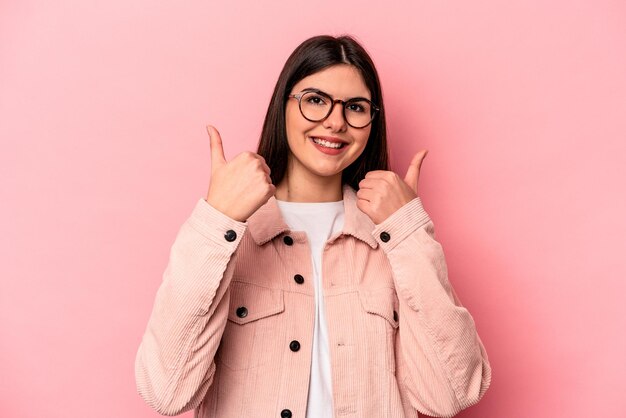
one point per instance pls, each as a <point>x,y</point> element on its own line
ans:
<point>285,413</point>
<point>298,278</point>
<point>230,235</point>
<point>242,312</point>
<point>384,236</point>
<point>294,346</point>
<point>395,316</point>
<point>288,240</point>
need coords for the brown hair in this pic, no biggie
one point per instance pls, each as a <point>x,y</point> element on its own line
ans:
<point>311,56</point>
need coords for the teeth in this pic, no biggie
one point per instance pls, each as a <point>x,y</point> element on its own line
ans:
<point>326,144</point>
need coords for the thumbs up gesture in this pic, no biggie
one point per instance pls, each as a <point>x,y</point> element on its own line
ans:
<point>381,192</point>
<point>240,186</point>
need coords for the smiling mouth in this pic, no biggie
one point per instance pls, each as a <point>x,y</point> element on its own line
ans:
<point>328,144</point>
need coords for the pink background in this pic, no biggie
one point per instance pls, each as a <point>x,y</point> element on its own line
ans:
<point>104,154</point>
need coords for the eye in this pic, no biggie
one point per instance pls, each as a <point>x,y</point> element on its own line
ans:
<point>358,107</point>
<point>314,99</point>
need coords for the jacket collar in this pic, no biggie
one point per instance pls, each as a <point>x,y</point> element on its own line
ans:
<point>267,222</point>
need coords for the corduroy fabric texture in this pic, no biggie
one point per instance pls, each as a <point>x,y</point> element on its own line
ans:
<point>220,332</point>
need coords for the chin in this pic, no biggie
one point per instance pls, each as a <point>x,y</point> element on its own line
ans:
<point>327,172</point>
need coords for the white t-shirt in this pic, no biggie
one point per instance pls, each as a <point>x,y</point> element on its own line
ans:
<point>320,220</point>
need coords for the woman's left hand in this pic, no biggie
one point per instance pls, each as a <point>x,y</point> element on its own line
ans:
<point>381,192</point>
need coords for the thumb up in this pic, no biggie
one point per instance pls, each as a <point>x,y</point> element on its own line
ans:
<point>381,193</point>
<point>240,186</point>
<point>413,172</point>
<point>217,149</point>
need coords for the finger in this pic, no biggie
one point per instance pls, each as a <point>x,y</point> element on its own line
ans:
<point>263,163</point>
<point>412,173</point>
<point>366,194</point>
<point>369,183</point>
<point>377,174</point>
<point>266,168</point>
<point>217,149</point>
<point>364,206</point>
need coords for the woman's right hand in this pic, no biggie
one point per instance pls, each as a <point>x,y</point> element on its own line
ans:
<point>240,186</point>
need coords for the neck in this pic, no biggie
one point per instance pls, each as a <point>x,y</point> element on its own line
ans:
<point>310,189</point>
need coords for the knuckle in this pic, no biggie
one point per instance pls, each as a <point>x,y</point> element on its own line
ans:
<point>242,156</point>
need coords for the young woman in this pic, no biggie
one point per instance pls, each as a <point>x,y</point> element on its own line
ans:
<point>309,283</point>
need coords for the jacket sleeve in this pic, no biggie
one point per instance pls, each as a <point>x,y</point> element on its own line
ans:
<point>443,365</point>
<point>174,366</point>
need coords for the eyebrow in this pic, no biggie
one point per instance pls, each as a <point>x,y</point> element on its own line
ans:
<point>322,91</point>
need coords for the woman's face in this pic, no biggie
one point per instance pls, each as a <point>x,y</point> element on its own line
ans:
<point>323,159</point>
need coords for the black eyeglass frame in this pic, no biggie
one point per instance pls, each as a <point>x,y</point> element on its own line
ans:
<point>344,103</point>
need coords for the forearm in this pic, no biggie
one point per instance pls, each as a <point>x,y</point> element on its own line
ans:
<point>174,365</point>
<point>440,347</point>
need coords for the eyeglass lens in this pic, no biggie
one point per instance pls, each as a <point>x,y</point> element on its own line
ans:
<point>315,107</point>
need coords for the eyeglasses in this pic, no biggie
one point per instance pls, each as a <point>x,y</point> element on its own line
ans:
<point>316,106</point>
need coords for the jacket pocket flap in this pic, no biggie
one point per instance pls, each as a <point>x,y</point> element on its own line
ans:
<point>382,302</point>
<point>249,302</point>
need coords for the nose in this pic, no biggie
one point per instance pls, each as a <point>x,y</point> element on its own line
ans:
<point>335,121</point>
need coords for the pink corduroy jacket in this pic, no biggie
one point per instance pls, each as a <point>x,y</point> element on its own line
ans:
<point>231,329</point>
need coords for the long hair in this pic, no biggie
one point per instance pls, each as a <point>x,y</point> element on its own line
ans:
<point>311,56</point>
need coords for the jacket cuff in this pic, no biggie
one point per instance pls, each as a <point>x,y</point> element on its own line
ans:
<point>400,224</point>
<point>216,226</point>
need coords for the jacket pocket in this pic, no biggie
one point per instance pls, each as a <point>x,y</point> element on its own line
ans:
<point>253,311</point>
<point>381,322</point>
